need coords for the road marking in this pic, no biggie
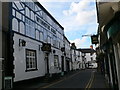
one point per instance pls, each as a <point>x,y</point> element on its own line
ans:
<point>60,80</point>
<point>52,84</point>
<point>90,82</point>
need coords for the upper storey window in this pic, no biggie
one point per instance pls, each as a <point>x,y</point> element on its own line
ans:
<point>30,30</point>
<point>15,24</point>
<point>27,12</point>
<point>43,23</point>
<point>32,15</point>
<point>22,28</point>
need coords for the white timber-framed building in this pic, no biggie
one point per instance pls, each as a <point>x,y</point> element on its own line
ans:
<point>34,43</point>
<point>37,26</point>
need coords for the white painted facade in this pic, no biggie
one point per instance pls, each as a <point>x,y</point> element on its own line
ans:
<point>76,59</point>
<point>88,57</point>
<point>67,55</point>
<point>35,26</point>
<point>91,59</point>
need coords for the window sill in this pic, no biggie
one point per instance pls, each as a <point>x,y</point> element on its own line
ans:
<point>31,70</point>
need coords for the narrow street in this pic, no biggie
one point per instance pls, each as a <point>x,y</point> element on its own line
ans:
<point>68,44</point>
<point>88,78</point>
<point>77,80</point>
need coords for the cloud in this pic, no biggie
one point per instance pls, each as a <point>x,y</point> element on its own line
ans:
<point>81,13</point>
<point>78,18</point>
<point>80,42</point>
<point>62,0</point>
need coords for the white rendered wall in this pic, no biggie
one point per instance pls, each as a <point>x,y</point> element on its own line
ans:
<point>20,59</point>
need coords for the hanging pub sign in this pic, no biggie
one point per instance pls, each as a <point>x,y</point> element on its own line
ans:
<point>46,47</point>
<point>94,39</point>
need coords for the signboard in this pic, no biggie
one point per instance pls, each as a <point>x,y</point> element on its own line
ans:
<point>94,39</point>
<point>8,83</point>
<point>46,47</point>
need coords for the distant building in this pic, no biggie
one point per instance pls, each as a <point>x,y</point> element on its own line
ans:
<point>88,56</point>
<point>67,54</point>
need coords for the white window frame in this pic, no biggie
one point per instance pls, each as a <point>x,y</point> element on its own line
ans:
<point>31,60</point>
<point>56,61</point>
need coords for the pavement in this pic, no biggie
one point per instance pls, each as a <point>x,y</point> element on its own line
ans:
<point>97,80</point>
<point>34,84</point>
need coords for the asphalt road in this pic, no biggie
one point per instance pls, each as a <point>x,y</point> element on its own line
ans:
<point>81,79</point>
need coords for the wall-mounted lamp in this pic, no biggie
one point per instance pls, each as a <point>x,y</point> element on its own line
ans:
<point>54,51</point>
<point>22,42</point>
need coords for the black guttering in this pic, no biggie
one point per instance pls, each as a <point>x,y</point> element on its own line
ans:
<point>49,14</point>
<point>97,12</point>
<point>66,39</point>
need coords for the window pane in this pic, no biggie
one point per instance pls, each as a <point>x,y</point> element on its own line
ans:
<point>22,28</point>
<point>41,36</point>
<point>15,24</point>
<point>30,59</point>
<point>27,12</point>
<point>45,35</point>
<point>32,15</point>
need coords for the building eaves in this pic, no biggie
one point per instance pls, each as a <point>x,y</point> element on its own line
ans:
<point>49,14</point>
<point>87,50</point>
<point>66,39</point>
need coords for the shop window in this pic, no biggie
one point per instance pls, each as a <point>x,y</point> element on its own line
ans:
<point>31,60</point>
<point>15,24</point>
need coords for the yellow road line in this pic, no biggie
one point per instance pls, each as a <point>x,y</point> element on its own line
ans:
<point>60,80</point>
<point>52,84</point>
<point>90,81</point>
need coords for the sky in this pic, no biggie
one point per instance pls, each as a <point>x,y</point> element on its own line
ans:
<point>78,17</point>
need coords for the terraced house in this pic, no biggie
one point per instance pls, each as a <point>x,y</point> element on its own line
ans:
<point>109,42</point>
<point>33,44</point>
<point>33,41</point>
